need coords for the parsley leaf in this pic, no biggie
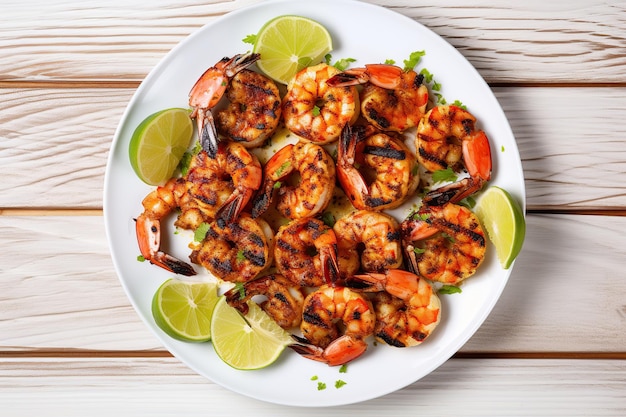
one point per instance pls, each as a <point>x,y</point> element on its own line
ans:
<point>316,111</point>
<point>450,289</point>
<point>413,60</point>
<point>200,233</point>
<point>321,386</point>
<point>339,383</point>
<point>329,219</point>
<point>343,64</point>
<point>444,175</point>
<point>251,39</point>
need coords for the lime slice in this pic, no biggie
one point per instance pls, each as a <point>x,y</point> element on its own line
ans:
<point>290,43</point>
<point>183,310</point>
<point>502,217</point>
<point>247,342</point>
<point>158,144</point>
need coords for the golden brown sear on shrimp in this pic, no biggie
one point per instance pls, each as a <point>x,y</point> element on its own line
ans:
<point>373,238</point>
<point>254,110</point>
<point>444,243</point>
<point>314,110</point>
<point>236,251</point>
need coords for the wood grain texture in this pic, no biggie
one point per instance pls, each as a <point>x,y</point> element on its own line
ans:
<point>59,281</point>
<point>570,141</point>
<point>532,41</point>
<point>163,386</point>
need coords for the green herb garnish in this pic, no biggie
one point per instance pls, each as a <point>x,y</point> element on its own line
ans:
<point>200,233</point>
<point>450,289</point>
<point>444,175</point>
<point>413,60</point>
<point>339,383</point>
<point>251,39</point>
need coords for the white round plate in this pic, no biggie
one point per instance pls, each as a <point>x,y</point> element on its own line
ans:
<point>369,34</point>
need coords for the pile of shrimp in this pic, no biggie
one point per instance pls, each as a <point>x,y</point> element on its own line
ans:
<point>362,136</point>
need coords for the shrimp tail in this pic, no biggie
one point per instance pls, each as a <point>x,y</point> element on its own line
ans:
<point>339,352</point>
<point>232,208</point>
<point>351,180</point>
<point>262,201</point>
<point>453,193</point>
<point>209,139</point>
<point>149,239</point>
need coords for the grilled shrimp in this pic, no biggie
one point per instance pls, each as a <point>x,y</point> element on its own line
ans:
<point>407,308</point>
<point>447,138</point>
<point>254,110</point>
<point>224,184</point>
<point>306,252</point>
<point>392,99</point>
<point>373,238</point>
<point>311,194</point>
<point>208,91</point>
<point>444,243</point>
<point>316,111</point>
<point>376,172</point>
<point>237,251</point>
<point>283,300</point>
<point>326,341</point>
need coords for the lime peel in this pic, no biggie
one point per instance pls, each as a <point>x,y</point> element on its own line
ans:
<point>158,144</point>
<point>503,219</point>
<point>183,310</point>
<point>289,43</point>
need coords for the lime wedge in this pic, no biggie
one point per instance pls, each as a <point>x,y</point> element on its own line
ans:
<point>158,144</point>
<point>290,43</point>
<point>183,310</point>
<point>502,217</point>
<point>252,341</point>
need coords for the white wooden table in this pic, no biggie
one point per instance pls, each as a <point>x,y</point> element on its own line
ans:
<point>70,342</point>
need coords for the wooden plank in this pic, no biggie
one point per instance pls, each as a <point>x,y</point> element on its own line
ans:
<point>163,386</point>
<point>531,41</point>
<point>59,290</point>
<point>570,141</point>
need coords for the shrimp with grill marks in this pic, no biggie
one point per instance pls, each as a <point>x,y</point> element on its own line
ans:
<point>314,110</point>
<point>407,308</point>
<point>392,99</point>
<point>254,110</point>
<point>314,189</point>
<point>444,243</point>
<point>377,172</point>
<point>447,138</point>
<point>237,251</point>
<point>373,238</point>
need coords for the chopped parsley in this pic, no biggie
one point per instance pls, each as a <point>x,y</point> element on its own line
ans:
<point>339,383</point>
<point>341,64</point>
<point>414,59</point>
<point>200,233</point>
<point>281,169</point>
<point>140,258</point>
<point>329,219</point>
<point>321,386</point>
<point>450,289</point>
<point>251,39</point>
<point>343,369</point>
<point>444,175</point>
